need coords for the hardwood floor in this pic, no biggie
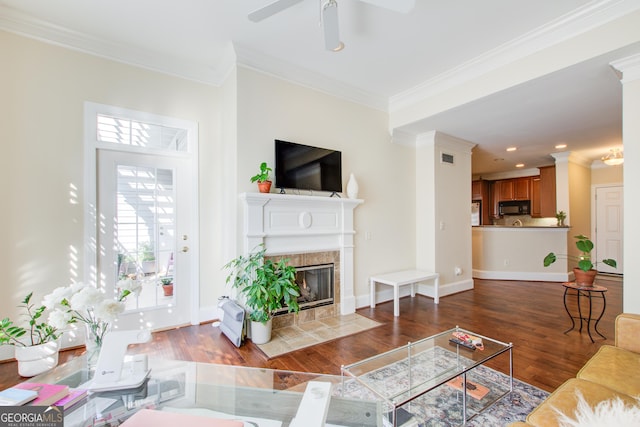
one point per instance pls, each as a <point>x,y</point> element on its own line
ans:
<point>531,315</point>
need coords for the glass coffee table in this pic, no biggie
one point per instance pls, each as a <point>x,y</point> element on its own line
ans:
<point>433,378</point>
<point>258,397</point>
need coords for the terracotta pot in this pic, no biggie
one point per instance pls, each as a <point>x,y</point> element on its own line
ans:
<point>264,186</point>
<point>585,278</point>
<point>168,290</point>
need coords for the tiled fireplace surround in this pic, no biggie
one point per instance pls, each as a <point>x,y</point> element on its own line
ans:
<point>308,230</point>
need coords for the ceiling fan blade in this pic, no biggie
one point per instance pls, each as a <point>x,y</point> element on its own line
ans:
<point>271,9</point>
<point>402,6</point>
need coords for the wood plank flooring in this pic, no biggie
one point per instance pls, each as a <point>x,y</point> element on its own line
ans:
<point>531,315</point>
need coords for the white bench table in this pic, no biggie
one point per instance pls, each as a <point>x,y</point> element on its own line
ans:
<point>401,278</point>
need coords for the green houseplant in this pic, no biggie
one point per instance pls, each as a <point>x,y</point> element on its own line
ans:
<point>585,264</point>
<point>262,178</point>
<point>167,285</point>
<point>36,345</point>
<point>267,286</point>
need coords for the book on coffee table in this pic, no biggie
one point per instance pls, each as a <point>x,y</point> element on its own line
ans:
<point>48,394</point>
<point>475,390</point>
<point>15,396</point>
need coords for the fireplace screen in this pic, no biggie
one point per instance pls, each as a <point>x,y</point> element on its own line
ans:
<point>316,286</point>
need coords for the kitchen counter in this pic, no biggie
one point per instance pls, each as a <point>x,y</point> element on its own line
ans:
<point>507,252</point>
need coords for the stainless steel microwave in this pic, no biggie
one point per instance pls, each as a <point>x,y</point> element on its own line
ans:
<point>514,207</point>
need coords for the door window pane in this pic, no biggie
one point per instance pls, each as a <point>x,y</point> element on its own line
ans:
<point>145,230</point>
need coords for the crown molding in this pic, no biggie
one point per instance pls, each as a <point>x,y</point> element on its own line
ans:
<point>269,65</point>
<point>591,15</point>
<point>25,25</point>
<point>628,69</point>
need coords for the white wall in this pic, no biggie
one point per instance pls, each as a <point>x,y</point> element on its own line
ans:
<point>43,91</point>
<point>271,108</point>
<point>443,220</point>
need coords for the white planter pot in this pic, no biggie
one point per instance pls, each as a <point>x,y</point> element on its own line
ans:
<point>37,359</point>
<point>261,332</point>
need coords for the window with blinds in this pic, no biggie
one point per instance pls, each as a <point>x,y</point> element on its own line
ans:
<point>119,130</point>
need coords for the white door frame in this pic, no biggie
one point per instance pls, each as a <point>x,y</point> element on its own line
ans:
<point>91,145</point>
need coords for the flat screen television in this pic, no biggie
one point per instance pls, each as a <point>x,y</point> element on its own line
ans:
<point>304,167</point>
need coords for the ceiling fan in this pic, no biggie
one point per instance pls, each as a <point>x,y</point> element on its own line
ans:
<point>329,15</point>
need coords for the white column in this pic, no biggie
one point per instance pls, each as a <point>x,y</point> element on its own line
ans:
<point>629,69</point>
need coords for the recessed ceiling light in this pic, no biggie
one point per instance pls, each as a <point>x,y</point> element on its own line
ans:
<point>560,146</point>
<point>520,165</point>
<point>512,148</point>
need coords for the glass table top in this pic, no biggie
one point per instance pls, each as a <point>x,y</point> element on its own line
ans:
<point>401,374</point>
<point>260,397</point>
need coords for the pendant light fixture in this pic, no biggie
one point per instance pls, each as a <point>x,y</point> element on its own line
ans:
<point>614,157</point>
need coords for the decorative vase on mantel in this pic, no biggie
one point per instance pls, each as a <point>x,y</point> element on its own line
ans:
<point>352,187</point>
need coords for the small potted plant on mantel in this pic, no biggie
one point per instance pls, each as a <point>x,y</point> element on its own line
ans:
<point>262,178</point>
<point>267,286</point>
<point>585,273</point>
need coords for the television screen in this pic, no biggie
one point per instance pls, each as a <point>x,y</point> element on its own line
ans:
<point>308,168</point>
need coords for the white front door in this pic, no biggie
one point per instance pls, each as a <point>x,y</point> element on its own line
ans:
<point>144,232</point>
<point>609,228</point>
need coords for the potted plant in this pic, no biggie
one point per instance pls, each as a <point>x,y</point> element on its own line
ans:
<point>167,285</point>
<point>585,273</point>
<point>267,286</point>
<point>264,184</point>
<point>36,347</point>
<point>560,217</point>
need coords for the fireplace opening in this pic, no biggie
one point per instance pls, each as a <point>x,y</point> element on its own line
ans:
<point>316,286</point>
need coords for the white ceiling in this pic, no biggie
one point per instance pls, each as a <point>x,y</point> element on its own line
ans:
<point>386,54</point>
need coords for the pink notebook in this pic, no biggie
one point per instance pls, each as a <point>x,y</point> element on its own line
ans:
<point>150,417</point>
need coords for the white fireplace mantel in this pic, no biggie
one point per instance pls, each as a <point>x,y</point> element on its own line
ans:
<point>288,224</point>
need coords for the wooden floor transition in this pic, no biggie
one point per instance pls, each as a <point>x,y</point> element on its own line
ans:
<point>531,315</point>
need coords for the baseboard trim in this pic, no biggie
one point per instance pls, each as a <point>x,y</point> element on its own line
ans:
<point>522,275</point>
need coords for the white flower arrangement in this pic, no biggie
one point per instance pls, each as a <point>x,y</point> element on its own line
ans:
<point>84,303</point>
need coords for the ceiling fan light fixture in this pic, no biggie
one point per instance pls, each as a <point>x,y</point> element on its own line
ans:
<point>330,26</point>
<point>614,157</point>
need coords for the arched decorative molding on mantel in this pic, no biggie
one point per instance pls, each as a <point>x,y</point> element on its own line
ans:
<point>287,224</point>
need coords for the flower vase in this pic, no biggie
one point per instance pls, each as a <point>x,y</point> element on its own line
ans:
<point>94,334</point>
<point>352,187</point>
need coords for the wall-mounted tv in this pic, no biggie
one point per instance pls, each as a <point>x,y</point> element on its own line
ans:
<point>304,167</point>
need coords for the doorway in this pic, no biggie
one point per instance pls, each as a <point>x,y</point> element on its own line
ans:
<point>609,227</point>
<point>144,224</point>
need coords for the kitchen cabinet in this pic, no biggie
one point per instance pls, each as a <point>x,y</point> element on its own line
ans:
<point>514,189</point>
<point>536,211</point>
<point>522,188</point>
<point>548,191</point>
<point>476,190</point>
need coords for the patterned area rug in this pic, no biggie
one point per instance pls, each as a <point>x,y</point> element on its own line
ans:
<point>443,406</point>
